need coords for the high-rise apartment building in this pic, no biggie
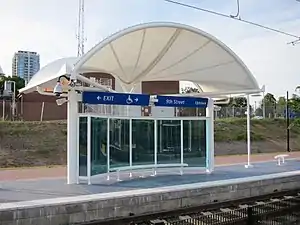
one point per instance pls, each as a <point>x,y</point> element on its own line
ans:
<point>25,64</point>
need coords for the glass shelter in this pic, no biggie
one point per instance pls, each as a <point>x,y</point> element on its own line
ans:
<point>110,147</point>
<point>109,143</point>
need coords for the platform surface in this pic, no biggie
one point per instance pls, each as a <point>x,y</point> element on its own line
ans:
<point>23,190</point>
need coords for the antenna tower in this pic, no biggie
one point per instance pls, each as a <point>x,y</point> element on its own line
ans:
<point>80,29</point>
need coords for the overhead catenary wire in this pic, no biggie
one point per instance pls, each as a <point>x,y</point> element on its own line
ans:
<point>237,15</point>
<point>236,18</point>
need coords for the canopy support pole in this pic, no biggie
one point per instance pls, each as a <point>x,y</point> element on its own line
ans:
<point>72,138</point>
<point>249,165</point>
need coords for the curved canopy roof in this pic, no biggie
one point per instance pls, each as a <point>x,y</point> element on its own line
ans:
<point>47,76</point>
<point>1,71</point>
<point>162,51</point>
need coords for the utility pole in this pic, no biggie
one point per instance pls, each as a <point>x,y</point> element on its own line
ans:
<point>263,101</point>
<point>287,123</point>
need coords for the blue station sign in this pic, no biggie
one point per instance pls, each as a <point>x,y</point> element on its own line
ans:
<point>109,98</point>
<point>177,101</point>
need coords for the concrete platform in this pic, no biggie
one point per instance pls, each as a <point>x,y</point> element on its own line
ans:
<point>25,190</point>
<point>117,205</point>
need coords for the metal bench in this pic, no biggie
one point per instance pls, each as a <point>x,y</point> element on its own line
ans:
<point>153,167</point>
<point>280,158</point>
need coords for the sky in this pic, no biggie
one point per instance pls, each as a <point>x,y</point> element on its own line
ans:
<point>49,28</point>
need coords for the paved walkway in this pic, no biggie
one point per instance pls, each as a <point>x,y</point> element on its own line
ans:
<point>60,171</point>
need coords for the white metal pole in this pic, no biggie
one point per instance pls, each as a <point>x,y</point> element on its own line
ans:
<point>78,153</point>
<point>42,111</point>
<point>14,101</point>
<point>264,106</point>
<point>248,134</point>
<point>212,136</point>
<point>120,132</point>
<point>130,146</point>
<point>208,142</point>
<point>181,146</point>
<point>72,137</point>
<point>89,149</point>
<point>210,152</point>
<point>155,146</point>
<point>190,134</point>
<point>108,148</point>
<point>3,110</point>
<point>160,135</point>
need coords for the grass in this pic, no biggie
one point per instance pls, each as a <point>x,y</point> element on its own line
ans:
<point>27,144</point>
<point>235,129</point>
<point>230,129</point>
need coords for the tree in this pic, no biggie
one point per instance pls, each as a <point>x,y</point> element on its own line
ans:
<point>237,106</point>
<point>269,102</point>
<point>238,102</point>
<point>294,104</point>
<point>269,99</point>
<point>259,112</point>
<point>281,106</point>
<point>190,111</point>
<point>20,83</point>
<point>281,102</point>
<point>188,90</point>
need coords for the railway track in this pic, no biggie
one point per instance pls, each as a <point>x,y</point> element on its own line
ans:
<point>266,210</point>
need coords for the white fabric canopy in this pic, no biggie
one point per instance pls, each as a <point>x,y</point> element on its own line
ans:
<point>168,51</point>
<point>159,51</point>
<point>47,76</point>
<point>1,71</point>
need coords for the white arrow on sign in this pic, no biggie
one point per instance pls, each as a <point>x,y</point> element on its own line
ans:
<point>136,99</point>
<point>98,98</point>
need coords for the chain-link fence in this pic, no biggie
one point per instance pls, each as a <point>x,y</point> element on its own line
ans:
<point>32,111</point>
<point>44,111</point>
<point>267,112</point>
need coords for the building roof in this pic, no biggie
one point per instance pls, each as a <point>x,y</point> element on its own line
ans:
<point>47,76</point>
<point>162,51</point>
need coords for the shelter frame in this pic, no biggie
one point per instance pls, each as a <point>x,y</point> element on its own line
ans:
<point>209,146</point>
<point>228,75</point>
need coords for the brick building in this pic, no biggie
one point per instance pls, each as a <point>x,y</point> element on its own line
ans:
<point>34,106</point>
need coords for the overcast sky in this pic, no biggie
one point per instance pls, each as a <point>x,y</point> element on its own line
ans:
<point>49,27</point>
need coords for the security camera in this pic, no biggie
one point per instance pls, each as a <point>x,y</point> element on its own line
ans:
<point>58,90</point>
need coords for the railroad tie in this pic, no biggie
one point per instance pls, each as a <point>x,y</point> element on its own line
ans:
<point>234,212</point>
<point>290,200</point>
<point>214,216</point>
<point>226,210</point>
<point>260,203</point>
<point>293,198</point>
<point>243,206</point>
<point>192,220</point>
<point>289,197</point>
<point>158,222</point>
<point>275,200</point>
<point>297,199</point>
<point>270,222</point>
<point>185,217</point>
<point>265,205</point>
<point>246,206</point>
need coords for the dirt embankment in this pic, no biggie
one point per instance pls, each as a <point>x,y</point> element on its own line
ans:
<point>39,144</point>
<point>267,136</point>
